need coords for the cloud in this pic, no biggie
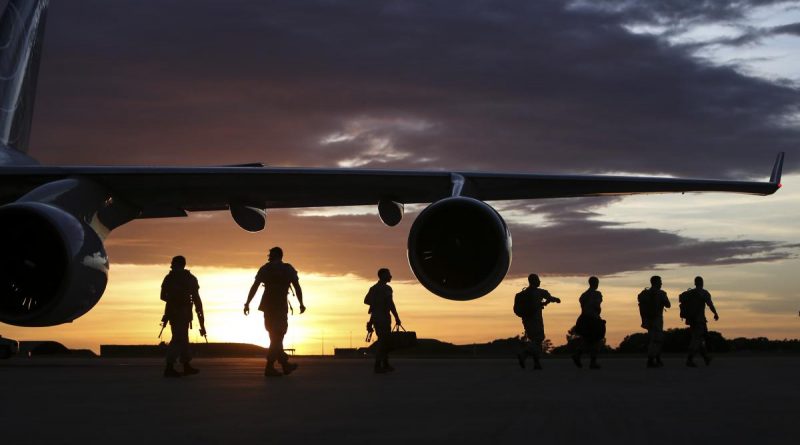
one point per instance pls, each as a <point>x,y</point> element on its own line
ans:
<point>542,86</point>
<point>581,247</point>
<point>790,29</point>
<point>572,244</point>
<point>752,36</point>
<point>578,242</point>
<point>372,140</point>
<point>675,13</point>
<point>523,86</point>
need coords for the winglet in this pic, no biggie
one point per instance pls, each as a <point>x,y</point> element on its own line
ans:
<point>775,178</point>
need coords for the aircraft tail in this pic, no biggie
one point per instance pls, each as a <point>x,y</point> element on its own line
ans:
<point>21,34</point>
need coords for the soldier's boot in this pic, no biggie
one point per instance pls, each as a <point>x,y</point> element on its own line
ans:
<point>659,363</point>
<point>651,362</point>
<point>707,359</point>
<point>690,362</point>
<point>576,358</point>
<point>288,368</point>
<point>189,369</point>
<point>593,364</point>
<point>537,365</point>
<point>170,371</point>
<point>270,370</point>
<point>386,366</point>
<point>521,359</point>
<point>379,367</point>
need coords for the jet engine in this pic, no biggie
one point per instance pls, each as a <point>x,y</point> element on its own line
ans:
<point>53,267</point>
<point>459,248</point>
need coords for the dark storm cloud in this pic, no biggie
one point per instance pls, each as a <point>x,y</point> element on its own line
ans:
<point>790,29</point>
<point>755,35</point>
<point>538,86</point>
<point>542,86</point>
<point>577,245</point>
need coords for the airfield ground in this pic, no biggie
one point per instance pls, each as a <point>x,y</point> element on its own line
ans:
<point>738,400</point>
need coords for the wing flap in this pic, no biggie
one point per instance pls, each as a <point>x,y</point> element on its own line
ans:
<point>539,187</point>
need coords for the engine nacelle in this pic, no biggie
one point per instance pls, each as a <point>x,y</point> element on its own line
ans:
<point>459,248</point>
<point>53,267</point>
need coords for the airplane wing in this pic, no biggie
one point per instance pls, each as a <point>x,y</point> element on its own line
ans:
<point>172,191</point>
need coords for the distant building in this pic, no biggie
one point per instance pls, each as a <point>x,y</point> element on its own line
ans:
<point>350,352</point>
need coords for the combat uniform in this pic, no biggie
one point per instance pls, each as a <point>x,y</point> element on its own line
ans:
<point>381,306</point>
<point>590,303</point>
<point>651,308</point>
<point>695,301</point>
<point>531,301</point>
<point>590,326</point>
<point>277,276</point>
<point>180,290</point>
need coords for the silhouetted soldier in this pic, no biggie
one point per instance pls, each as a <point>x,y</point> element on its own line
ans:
<point>528,305</point>
<point>652,303</point>
<point>277,277</point>
<point>381,307</point>
<point>180,291</point>
<point>693,309</point>
<point>590,327</point>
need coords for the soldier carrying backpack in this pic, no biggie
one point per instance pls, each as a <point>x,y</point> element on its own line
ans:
<point>180,291</point>
<point>693,304</point>
<point>528,305</point>
<point>652,303</point>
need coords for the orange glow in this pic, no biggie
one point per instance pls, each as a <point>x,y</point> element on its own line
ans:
<point>130,311</point>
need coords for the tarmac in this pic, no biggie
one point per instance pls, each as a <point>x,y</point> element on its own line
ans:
<point>737,400</point>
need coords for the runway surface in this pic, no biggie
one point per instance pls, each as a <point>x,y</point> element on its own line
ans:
<point>117,401</point>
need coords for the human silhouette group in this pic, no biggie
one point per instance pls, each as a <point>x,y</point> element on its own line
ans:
<point>180,292</point>
<point>590,328</point>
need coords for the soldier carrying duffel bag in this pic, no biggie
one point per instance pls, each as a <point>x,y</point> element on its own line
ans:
<point>381,308</point>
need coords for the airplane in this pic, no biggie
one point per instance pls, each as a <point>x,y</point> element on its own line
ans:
<point>54,219</point>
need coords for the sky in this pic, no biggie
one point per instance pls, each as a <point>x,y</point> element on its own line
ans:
<point>678,88</point>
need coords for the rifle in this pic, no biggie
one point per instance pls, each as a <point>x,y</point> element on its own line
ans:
<point>163,325</point>
<point>202,321</point>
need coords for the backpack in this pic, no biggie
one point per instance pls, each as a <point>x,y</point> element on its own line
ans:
<point>688,306</point>
<point>520,308</point>
<point>178,287</point>
<point>649,306</point>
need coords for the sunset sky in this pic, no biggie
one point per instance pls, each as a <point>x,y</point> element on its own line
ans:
<point>690,89</point>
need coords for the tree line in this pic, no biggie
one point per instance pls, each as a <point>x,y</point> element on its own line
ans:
<point>676,340</point>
